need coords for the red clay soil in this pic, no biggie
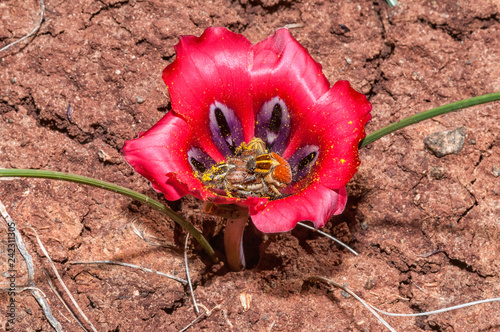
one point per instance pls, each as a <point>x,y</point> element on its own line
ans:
<point>427,228</point>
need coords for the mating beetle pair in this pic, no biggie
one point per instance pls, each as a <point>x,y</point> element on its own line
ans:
<point>252,171</point>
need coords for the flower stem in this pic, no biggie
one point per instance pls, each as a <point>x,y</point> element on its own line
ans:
<point>429,114</point>
<point>233,243</point>
<point>117,189</point>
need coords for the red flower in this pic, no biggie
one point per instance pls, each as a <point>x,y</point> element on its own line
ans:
<point>224,92</point>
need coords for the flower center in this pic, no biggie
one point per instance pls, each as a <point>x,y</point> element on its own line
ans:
<point>251,171</point>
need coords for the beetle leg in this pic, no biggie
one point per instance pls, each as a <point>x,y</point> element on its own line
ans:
<point>244,193</point>
<point>273,188</point>
<point>272,184</point>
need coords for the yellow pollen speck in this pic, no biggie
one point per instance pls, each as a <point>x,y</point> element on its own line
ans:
<point>342,161</point>
<point>350,122</point>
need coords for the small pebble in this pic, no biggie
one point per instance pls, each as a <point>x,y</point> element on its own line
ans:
<point>103,156</point>
<point>473,142</point>
<point>13,80</point>
<point>446,142</point>
<point>348,60</point>
<point>139,99</point>
<point>496,171</point>
<point>437,172</point>
<point>369,284</point>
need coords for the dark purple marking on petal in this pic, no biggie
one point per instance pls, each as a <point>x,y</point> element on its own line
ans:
<point>226,128</point>
<point>302,161</point>
<point>199,160</point>
<point>273,124</point>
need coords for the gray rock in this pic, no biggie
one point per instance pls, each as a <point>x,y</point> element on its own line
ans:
<point>446,142</point>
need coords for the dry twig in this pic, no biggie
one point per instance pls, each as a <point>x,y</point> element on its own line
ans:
<point>368,306</point>
<point>187,274</point>
<point>194,321</point>
<point>22,289</point>
<point>207,313</point>
<point>141,231</point>
<point>61,281</point>
<point>31,270</point>
<point>145,269</point>
<point>328,236</point>
<point>51,285</point>
<point>374,309</point>
<point>35,29</point>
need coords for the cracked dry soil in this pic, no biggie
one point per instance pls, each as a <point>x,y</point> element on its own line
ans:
<point>427,228</point>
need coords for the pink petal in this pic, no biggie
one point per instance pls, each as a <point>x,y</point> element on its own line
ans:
<point>160,155</point>
<point>315,203</point>
<point>283,68</point>
<point>210,68</point>
<point>336,124</point>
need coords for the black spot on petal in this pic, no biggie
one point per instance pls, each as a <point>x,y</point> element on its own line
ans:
<point>275,122</point>
<point>225,130</point>
<point>306,161</point>
<point>197,165</point>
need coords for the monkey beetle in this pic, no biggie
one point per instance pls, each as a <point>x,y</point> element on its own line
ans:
<point>252,171</point>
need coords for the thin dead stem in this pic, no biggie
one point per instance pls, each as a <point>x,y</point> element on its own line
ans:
<point>60,279</point>
<point>51,285</point>
<point>141,231</point>
<point>374,309</point>
<point>206,313</point>
<point>145,269</point>
<point>187,274</point>
<point>31,270</point>
<point>423,291</point>
<point>224,314</point>
<point>427,313</point>
<point>193,322</point>
<point>368,306</point>
<point>35,29</point>
<point>328,236</point>
<point>22,289</point>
